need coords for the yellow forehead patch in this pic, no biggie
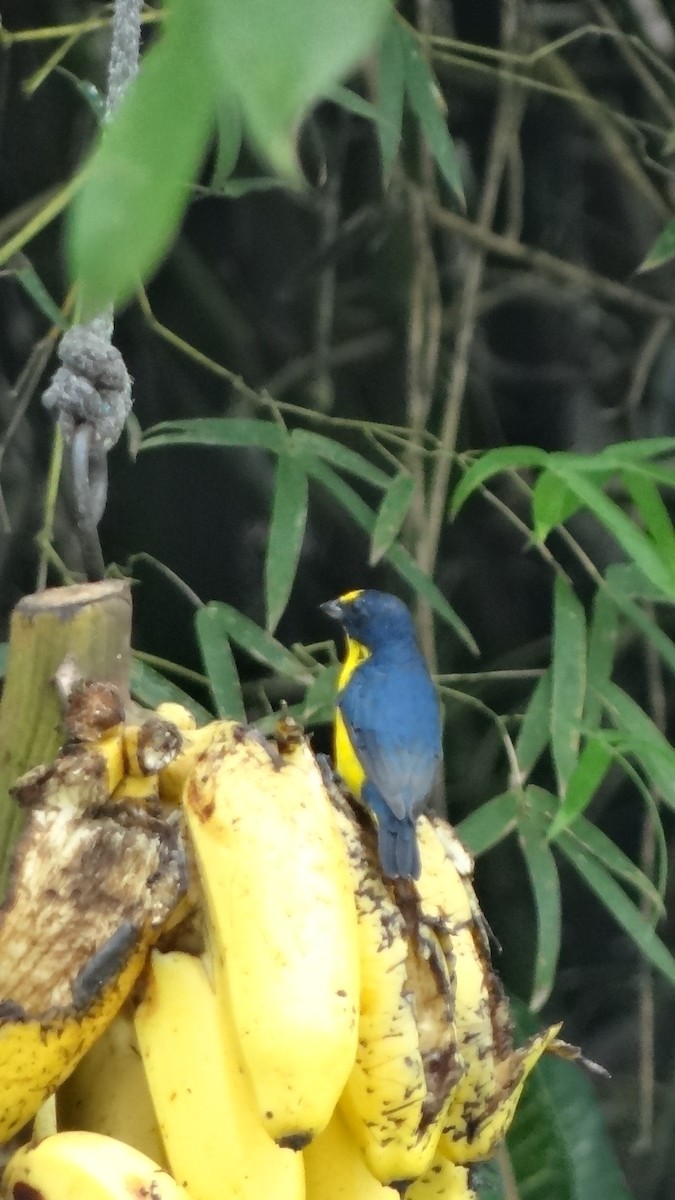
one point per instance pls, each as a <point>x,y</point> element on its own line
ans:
<point>347,597</point>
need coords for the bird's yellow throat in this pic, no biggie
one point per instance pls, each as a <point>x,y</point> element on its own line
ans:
<point>346,761</point>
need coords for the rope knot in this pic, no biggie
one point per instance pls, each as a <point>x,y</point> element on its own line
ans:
<point>92,388</point>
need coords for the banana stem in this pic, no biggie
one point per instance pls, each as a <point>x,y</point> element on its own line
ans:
<point>89,623</point>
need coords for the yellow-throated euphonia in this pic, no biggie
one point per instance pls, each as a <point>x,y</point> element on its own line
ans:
<point>388,739</point>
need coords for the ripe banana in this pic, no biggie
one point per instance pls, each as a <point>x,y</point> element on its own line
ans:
<point>335,1168</point>
<point>72,1166</point>
<point>108,1092</point>
<point>214,1139</point>
<point>277,884</point>
<point>397,1094</point>
<point>443,1180</point>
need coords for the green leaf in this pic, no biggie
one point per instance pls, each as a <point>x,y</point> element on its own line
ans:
<point>646,498</point>
<point>568,679</point>
<point>558,1144</point>
<point>30,281</point>
<point>354,103</point>
<point>552,504</point>
<point>318,706</point>
<point>636,545</point>
<point>601,847</point>
<point>543,873</point>
<point>504,458</point>
<point>217,431</point>
<point>228,132</point>
<point>602,639</point>
<point>391,515</point>
<point>489,824</point>
<point>137,182</point>
<point>644,741</point>
<point>315,445</point>
<point>594,763</point>
<point>629,580</point>
<point>535,729</point>
<point>286,533</point>
<point>663,249</point>
<point>219,664</point>
<point>426,101</point>
<point>390,92</point>
<point>622,909</point>
<point>399,558</point>
<point>645,624</point>
<point>4,651</point>
<point>150,688</point>
<point>281,58</point>
<point>258,642</point>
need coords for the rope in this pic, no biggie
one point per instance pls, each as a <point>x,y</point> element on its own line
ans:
<point>90,393</point>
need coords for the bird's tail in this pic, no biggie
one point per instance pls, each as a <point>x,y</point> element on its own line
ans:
<point>397,848</point>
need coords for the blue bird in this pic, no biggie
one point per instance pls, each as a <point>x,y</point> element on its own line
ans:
<point>388,733</point>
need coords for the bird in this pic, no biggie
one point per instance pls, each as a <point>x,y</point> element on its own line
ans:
<point>388,731</point>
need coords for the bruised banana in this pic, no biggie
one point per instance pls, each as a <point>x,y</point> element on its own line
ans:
<point>278,892</point>
<point>443,1180</point>
<point>204,1103</point>
<point>335,1168</point>
<point>108,1092</point>
<point>484,1102</point>
<point>397,1094</point>
<point>72,1166</point>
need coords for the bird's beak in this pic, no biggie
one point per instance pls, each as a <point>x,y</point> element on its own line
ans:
<point>332,608</point>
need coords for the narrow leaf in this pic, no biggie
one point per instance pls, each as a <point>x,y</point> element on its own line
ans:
<point>663,249</point>
<point>391,515</point>
<point>258,642</point>
<point>399,558</point>
<point>150,688</point>
<point>622,909</point>
<point>429,107</point>
<point>219,664</point>
<point>318,446</point>
<point>646,498</point>
<point>602,639</point>
<point>489,824</point>
<point>137,182</point>
<point>228,134</point>
<point>281,58</point>
<point>601,847</point>
<point>390,92</point>
<point>644,741</point>
<point>319,704</point>
<point>30,281</point>
<point>543,873</point>
<point>568,679</point>
<point>504,458</point>
<point>552,504</point>
<point>287,529</point>
<point>535,729</point>
<point>592,766</point>
<point>645,624</point>
<point>216,431</point>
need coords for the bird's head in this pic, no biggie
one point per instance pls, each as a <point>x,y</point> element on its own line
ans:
<point>372,618</point>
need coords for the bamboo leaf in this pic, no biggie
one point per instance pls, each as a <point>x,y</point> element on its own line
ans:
<point>228,134</point>
<point>428,104</point>
<point>489,824</point>
<point>663,249</point>
<point>216,431</point>
<point>150,689</point>
<point>646,498</point>
<point>643,740</point>
<point>493,462</point>
<point>602,638</point>
<point>219,664</point>
<point>602,848</point>
<point>568,679</point>
<point>535,729</point>
<point>552,504</point>
<point>287,530</point>
<point>257,642</point>
<point>543,874</point>
<point>391,514</point>
<point>390,92</point>
<point>315,445</point>
<point>589,772</point>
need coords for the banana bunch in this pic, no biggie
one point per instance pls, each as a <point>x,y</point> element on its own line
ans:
<point>206,983</point>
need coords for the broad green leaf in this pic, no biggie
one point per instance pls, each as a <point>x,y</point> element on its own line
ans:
<point>228,144</point>
<point>281,58</point>
<point>601,847</point>
<point>390,91</point>
<point>489,824</point>
<point>258,642</point>
<point>646,498</point>
<point>504,458</point>
<point>558,1144</point>
<point>622,909</point>
<point>637,546</point>
<point>287,530</point>
<point>219,664</point>
<point>391,514</point>
<point>426,101</point>
<point>663,249</point>
<point>535,729</point>
<point>592,766</point>
<point>602,638</point>
<point>568,679</point>
<point>552,504</point>
<point>644,741</point>
<point>217,431</point>
<point>30,281</point>
<point>543,873</point>
<point>318,446</point>
<point>137,182</point>
<point>150,688</point>
<point>399,558</point>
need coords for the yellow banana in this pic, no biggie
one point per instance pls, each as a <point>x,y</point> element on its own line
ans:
<point>108,1092</point>
<point>335,1168</point>
<point>396,1096</point>
<point>214,1140</point>
<point>275,875</point>
<point>71,1166</point>
<point>443,1180</point>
